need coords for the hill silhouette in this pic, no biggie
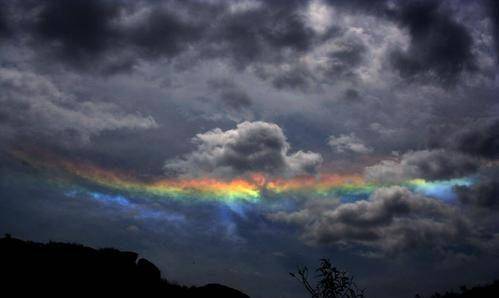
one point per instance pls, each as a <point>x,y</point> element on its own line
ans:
<point>62,269</point>
<point>481,291</point>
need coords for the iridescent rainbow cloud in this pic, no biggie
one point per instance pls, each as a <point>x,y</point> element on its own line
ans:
<point>252,188</point>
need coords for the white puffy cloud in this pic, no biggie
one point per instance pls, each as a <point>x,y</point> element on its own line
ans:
<point>318,16</point>
<point>250,147</point>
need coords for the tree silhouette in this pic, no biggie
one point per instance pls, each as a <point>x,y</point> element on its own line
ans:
<point>330,282</point>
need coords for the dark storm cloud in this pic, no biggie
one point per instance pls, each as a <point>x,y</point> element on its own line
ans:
<point>351,95</point>
<point>339,64</point>
<point>78,31</point>
<point>98,36</point>
<point>484,194</point>
<point>344,60</point>
<point>103,36</point>
<point>261,33</point>
<point>439,47</point>
<point>393,220</point>
<point>297,78</point>
<point>90,32</point>
<point>481,139</point>
<point>369,6</point>
<point>4,29</point>
<point>425,164</point>
<point>231,95</point>
<point>250,147</point>
<point>235,99</point>
<point>112,38</point>
<point>492,7</point>
<point>163,33</point>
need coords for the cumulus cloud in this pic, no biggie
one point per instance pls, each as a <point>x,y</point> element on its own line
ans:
<point>426,164</point>
<point>250,147</point>
<point>32,105</point>
<point>392,220</point>
<point>348,144</point>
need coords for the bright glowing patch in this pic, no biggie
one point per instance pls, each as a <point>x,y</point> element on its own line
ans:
<point>438,189</point>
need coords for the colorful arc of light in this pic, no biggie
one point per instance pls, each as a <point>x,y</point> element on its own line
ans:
<point>252,188</point>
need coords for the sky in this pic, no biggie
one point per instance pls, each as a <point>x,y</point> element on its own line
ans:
<point>232,141</point>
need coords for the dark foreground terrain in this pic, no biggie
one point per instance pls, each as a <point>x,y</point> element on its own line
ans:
<point>61,269</point>
<point>66,270</point>
<point>482,291</point>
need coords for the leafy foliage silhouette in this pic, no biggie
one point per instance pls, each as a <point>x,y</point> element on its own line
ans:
<point>330,282</point>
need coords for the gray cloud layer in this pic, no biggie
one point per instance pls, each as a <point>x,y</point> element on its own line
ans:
<point>348,144</point>
<point>426,164</point>
<point>33,106</point>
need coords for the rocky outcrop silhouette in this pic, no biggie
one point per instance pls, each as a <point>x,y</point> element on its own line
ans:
<point>62,269</point>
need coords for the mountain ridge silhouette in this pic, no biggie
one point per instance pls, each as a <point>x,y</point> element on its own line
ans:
<point>68,269</point>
